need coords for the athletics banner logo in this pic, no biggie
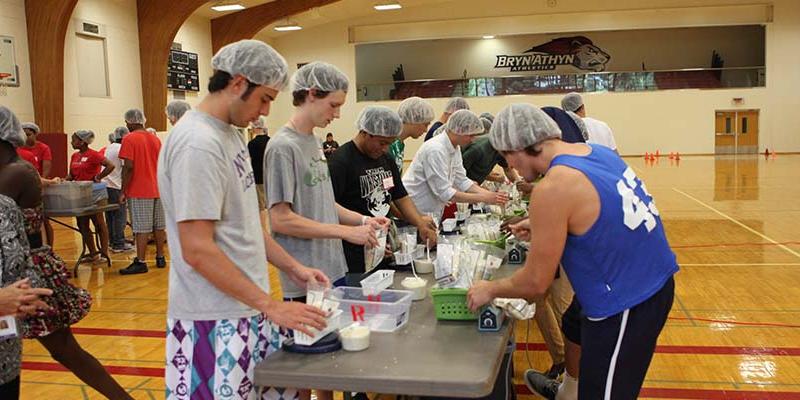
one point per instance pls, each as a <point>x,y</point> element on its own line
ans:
<point>577,51</point>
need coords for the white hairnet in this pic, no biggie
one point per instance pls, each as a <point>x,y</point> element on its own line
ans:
<point>111,137</point>
<point>321,76</point>
<point>464,122</point>
<point>135,116</point>
<point>581,125</point>
<point>151,130</point>
<point>380,121</point>
<point>10,128</point>
<point>455,104</point>
<point>31,126</point>
<point>487,115</point>
<point>571,102</point>
<point>120,132</point>
<point>176,108</point>
<point>85,135</point>
<point>254,60</point>
<point>415,110</point>
<point>520,125</point>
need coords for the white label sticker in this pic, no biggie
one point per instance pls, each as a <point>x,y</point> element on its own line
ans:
<point>388,183</point>
<point>8,327</point>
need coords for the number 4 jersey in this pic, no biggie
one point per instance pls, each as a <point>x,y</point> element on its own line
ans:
<point>624,258</point>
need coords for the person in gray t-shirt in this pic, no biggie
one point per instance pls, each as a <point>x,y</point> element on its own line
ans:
<point>218,281</point>
<point>304,216</point>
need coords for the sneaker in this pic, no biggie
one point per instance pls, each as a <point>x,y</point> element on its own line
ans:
<point>122,249</point>
<point>136,267</point>
<point>540,384</point>
<point>555,371</point>
<point>161,262</point>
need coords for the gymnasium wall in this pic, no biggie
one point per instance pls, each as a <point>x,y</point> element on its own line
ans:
<point>195,37</point>
<point>656,49</point>
<point>12,23</point>
<point>100,114</point>
<point>103,114</point>
<point>677,120</point>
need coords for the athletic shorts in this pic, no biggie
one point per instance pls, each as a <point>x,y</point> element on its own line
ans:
<point>147,215</point>
<point>216,359</point>
<point>571,322</point>
<point>616,351</point>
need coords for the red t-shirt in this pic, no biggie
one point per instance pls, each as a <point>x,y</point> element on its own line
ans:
<point>142,148</point>
<point>28,156</point>
<point>41,152</point>
<point>85,166</point>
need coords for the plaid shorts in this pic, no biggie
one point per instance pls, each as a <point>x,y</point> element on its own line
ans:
<point>216,359</point>
<point>147,215</point>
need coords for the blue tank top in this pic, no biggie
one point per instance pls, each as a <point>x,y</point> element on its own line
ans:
<point>624,258</point>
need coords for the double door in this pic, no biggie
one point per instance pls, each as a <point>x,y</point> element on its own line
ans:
<point>736,132</point>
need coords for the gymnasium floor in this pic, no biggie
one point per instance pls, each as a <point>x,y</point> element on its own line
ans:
<point>734,330</point>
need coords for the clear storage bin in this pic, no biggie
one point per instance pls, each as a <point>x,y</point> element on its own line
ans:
<point>68,196</point>
<point>385,312</point>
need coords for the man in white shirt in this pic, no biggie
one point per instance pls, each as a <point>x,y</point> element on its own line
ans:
<point>436,176</point>
<point>116,218</point>
<point>599,132</point>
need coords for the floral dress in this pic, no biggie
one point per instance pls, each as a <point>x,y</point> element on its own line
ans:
<point>68,303</point>
<point>15,263</point>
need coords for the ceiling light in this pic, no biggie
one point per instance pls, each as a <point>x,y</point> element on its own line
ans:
<point>288,27</point>
<point>227,7</point>
<point>387,6</point>
<point>488,36</point>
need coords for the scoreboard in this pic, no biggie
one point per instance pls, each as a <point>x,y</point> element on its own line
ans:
<point>182,71</point>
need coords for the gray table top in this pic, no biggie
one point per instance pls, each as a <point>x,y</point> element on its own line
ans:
<point>82,212</point>
<point>426,357</point>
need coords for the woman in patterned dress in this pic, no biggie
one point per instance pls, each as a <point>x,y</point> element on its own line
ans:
<point>68,304</point>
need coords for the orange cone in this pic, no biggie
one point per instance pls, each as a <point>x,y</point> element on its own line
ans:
<point>658,154</point>
<point>647,156</point>
<point>671,155</point>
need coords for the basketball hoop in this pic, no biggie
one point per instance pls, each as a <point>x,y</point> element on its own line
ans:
<point>3,85</point>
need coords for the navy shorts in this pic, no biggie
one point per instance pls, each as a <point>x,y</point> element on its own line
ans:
<point>616,351</point>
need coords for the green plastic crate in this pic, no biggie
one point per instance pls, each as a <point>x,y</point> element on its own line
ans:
<point>451,305</point>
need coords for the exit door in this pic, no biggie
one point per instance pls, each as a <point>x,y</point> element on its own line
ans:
<point>736,132</point>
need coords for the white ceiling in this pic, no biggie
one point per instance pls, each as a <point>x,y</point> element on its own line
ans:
<point>360,12</point>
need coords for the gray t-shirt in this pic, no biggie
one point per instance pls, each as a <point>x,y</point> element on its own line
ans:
<point>204,173</point>
<point>296,172</point>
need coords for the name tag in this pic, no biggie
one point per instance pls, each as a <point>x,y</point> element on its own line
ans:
<point>8,327</point>
<point>388,183</point>
<point>84,159</point>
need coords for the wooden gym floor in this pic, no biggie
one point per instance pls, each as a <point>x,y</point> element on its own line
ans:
<point>733,332</point>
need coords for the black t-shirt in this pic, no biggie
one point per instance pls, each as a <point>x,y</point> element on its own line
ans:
<point>330,145</point>
<point>257,147</point>
<point>366,186</point>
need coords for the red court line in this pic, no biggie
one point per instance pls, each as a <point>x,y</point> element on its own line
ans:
<point>112,369</point>
<point>745,244</point>
<point>119,332</point>
<point>704,394</point>
<point>722,350</point>
<point>664,349</point>
<point>661,393</point>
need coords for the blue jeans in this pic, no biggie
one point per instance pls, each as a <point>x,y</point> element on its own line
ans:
<point>116,220</point>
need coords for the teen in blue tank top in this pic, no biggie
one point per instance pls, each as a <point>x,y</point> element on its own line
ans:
<point>624,258</point>
<point>591,213</point>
